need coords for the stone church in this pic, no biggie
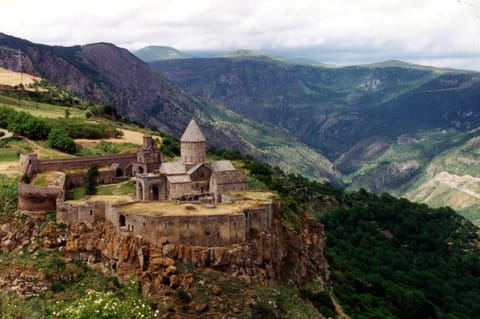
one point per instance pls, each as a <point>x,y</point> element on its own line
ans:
<point>191,178</point>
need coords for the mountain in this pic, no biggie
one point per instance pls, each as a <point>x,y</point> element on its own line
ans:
<point>158,52</point>
<point>104,73</point>
<point>380,124</point>
<point>332,109</point>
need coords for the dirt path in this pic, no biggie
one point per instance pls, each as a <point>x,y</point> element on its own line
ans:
<point>459,183</point>
<point>9,168</point>
<point>128,137</point>
<point>7,134</point>
<point>43,152</point>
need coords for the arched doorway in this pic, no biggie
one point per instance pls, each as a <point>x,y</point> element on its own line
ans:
<point>155,192</point>
<point>119,172</point>
<point>140,170</point>
<point>121,221</point>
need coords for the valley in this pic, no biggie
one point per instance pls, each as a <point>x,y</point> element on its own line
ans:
<point>383,126</point>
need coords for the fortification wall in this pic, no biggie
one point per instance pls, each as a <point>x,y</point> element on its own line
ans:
<point>124,160</point>
<point>202,230</point>
<point>36,198</point>
<point>259,219</point>
<point>88,213</point>
<point>208,230</point>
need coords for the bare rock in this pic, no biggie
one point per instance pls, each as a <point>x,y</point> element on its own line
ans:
<point>170,250</point>
<point>216,290</point>
<point>201,307</point>
<point>171,270</point>
<point>173,281</point>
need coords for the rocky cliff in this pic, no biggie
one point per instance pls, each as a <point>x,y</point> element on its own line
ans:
<point>184,281</point>
<point>264,259</point>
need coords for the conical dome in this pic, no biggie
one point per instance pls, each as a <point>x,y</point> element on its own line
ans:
<point>193,133</point>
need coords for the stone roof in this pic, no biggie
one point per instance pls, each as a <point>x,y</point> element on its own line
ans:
<point>194,168</point>
<point>172,168</point>
<point>224,165</point>
<point>193,133</point>
<point>177,179</point>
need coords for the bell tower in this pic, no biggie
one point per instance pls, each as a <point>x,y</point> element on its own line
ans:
<point>192,145</point>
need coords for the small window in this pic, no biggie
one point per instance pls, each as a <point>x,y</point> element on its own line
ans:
<point>91,212</point>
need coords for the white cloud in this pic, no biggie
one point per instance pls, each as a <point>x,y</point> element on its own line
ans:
<point>360,30</point>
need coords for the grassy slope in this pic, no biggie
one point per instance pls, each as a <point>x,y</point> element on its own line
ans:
<point>40,109</point>
<point>410,170</point>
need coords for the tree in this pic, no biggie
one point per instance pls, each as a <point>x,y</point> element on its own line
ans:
<point>91,180</point>
<point>28,125</point>
<point>59,139</point>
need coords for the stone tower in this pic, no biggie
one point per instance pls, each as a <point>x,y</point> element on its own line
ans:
<point>192,145</point>
<point>148,157</point>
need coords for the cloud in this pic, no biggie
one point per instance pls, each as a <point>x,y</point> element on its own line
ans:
<point>356,30</point>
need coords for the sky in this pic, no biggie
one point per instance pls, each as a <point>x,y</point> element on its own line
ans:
<point>444,33</point>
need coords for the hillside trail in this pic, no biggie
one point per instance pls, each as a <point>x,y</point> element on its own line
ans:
<point>44,152</point>
<point>459,183</point>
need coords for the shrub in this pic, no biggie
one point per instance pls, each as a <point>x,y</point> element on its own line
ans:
<point>59,139</point>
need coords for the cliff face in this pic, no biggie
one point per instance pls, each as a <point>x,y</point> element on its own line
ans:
<point>27,236</point>
<point>265,259</point>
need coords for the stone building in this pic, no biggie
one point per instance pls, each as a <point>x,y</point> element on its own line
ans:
<point>191,178</point>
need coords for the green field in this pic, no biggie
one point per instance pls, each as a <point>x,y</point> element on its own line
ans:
<point>40,109</point>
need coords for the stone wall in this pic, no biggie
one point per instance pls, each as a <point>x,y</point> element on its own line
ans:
<point>176,190</point>
<point>78,179</point>
<point>35,198</point>
<point>88,213</point>
<point>124,160</point>
<point>203,230</point>
<point>206,230</point>
<point>227,181</point>
<point>259,219</point>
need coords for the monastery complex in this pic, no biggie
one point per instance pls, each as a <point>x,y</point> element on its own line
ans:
<point>191,201</point>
